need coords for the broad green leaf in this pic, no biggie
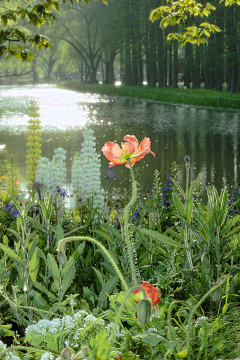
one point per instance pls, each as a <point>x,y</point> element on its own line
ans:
<point>42,288</point>
<point>54,270</point>
<point>182,354</point>
<point>113,231</point>
<point>12,254</point>
<point>178,204</point>
<point>16,234</point>
<point>152,339</point>
<point>74,257</point>
<point>67,281</point>
<point>160,237</point>
<point>37,300</point>
<point>33,265</point>
<point>108,288</point>
<point>32,249</point>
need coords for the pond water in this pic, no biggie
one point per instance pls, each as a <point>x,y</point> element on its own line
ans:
<point>209,137</point>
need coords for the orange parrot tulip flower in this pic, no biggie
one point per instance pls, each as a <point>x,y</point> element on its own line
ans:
<point>153,293</point>
<point>130,149</point>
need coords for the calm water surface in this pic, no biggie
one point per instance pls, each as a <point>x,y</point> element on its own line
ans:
<point>209,137</point>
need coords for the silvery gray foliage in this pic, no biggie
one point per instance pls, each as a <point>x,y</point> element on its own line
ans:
<point>86,174</point>
<point>52,173</point>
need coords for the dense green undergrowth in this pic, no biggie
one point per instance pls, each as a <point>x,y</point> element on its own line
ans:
<point>196,97</point>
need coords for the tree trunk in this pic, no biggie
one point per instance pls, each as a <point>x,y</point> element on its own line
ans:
<point>134,79</point>
<point>127,45</point>
<point>160,56</point>
<point>139,44</point>
<point>170,64</point>
<point>175,64</point>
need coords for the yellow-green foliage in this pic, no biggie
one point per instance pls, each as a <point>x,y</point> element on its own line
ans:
<point>34,137</point>
<point>12,180</point>
<point>4,167</point>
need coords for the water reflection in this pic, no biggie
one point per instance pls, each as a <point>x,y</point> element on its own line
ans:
<point>209,137</point>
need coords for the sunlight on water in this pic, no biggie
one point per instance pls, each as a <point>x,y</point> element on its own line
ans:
<point>58,108</point>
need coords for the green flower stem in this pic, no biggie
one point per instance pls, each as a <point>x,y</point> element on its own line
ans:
<point>123,304</point>
<point>187,175</point>
<point>4,352</point>
<point>214,288</point>
<point>129,246</point>
<point>94,241</point>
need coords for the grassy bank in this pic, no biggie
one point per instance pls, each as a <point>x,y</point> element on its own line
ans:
<point>199,97</point>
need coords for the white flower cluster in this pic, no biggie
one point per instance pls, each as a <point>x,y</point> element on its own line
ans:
<point>52,173</point>
<point>201,320</point>
<point>52,326</point>
<point>86,175</point>
<point>47,356</point>
<point>11,355</point>
<point>73,326</point>
<point>152,329</point>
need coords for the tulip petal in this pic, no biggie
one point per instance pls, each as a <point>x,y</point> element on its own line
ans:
<point>112,150</point>
<point>128,148</point>
<point>132,139</point>
<point>144,147</point>
<point>114,162</point>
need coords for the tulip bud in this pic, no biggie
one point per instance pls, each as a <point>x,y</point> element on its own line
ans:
<point>62,259</point>
<point>144,311</point>
<point>66,354</point>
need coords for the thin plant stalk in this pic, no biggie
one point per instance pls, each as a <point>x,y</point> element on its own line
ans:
<point>129,246</point>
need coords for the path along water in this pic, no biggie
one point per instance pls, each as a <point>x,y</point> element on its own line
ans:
<point>209,137</point>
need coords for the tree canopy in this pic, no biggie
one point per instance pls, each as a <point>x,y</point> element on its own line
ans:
<point>15,14</point>
<point>185,11</point>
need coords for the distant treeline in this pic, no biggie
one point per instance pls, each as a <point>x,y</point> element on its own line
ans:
<point>143,41</point>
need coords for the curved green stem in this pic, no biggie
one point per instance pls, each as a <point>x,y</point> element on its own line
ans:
<point>94,241</point>
<point>123,304</point>
<point>129,246</point>
<point>215,287</point>
<point>25,348</point>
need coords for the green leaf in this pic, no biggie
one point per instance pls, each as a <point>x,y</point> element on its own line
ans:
<point>74,257</point>
<point>42,288</point>
<point>12,254</point>
<point>182,354</point>
<point>160,237</point>
<point>31,250</point>
<point>54,269</point>
<point>152,339</point>
<point>17,235</point>
<point>33,266</point>
<point>178,204</point>
<point>60,232</point>
<point>107,288</point>
<point>104,235</point>
<point>37,300</point>
<point>67,281</point>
